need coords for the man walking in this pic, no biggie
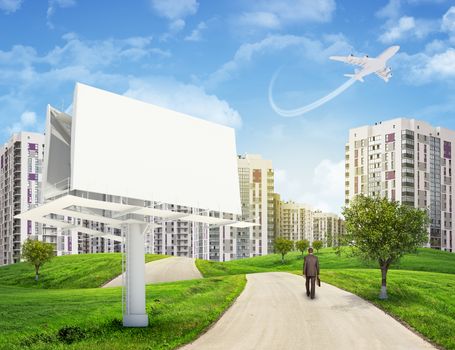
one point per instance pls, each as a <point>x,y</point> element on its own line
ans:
<point>311,272</point>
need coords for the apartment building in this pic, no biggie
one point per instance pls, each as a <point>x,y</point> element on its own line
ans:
<point>327,227</point>
<point>296,221</point>
<point>409,161</point>
<point>256,177</point>
<point>20,189</point>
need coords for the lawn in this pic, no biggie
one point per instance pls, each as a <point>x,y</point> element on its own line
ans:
<point>179,311</point>
<point>421,287</point>
<point>424,260</point>
<point>421,291</point>
<point>423,300</point>
<point>70,271</point>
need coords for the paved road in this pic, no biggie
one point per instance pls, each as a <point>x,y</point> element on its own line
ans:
<point>165,270</point>
<point>273,312</point>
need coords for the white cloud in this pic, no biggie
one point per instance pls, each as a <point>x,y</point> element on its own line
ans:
<point>312,49</point>
<point>405,24</point>
<point>28,121</point>
<point>28,118</point>
<point>29,75</point>
<point>75,52</point>
<point>280,177</point>
<point>448,23</point>
<point>10,6</point>
<point>391,10</point>
<point>259,19</point>
<point>407,27</point>
<point>176,25</point>
<point>184,98</point>
<point>323,191</point>
<point>196,34</point>
<point>175,9</point>
<point>275,14</point>
<point>52,7</point>
<point>326,191</point>
<point>429,66</point>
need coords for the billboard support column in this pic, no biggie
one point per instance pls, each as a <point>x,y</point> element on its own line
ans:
<point>136,315</point>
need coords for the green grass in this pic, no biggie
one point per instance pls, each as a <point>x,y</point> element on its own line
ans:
<point>178,313</point>
<point>421,287</point>
<point>70,271</point>
<point>423,300</point>
<point>424,260</point>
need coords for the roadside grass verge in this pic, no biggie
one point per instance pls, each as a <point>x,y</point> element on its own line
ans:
<point>70,271</point>
<point>91,318</point>
<point>423,300</point>
<point>425,260</point>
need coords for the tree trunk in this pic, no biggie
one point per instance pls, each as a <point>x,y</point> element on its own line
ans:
<point>36,272</point>
<point>282,258</point>
<point>383,295</point>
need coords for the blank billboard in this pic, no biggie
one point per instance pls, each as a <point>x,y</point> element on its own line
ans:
<point>124,147</point>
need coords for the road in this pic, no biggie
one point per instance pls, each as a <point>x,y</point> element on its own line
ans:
<point>273,312</point>
<point>165,270</point>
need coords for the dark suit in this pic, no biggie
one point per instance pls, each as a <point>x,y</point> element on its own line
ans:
<point>311,271</point>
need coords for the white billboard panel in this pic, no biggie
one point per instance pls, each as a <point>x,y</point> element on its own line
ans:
<point>124,147</point>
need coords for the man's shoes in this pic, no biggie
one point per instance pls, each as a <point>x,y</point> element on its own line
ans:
<point>307,294</point>
<point>312,298</point>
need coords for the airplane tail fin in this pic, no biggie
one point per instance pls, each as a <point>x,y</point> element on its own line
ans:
<point>354,76</point>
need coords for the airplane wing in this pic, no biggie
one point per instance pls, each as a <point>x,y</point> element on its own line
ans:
<point>356,61</point>
<point>385,74</point>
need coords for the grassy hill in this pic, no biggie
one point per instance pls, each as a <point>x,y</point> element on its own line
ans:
<point>39,319</point>
<point>70,271</point>
<point>423,300</point>
<point>425,260</point>
<point>420,294</point>
<point>420,287</point>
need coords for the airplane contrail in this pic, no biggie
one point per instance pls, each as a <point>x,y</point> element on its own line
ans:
<point>305,109</point>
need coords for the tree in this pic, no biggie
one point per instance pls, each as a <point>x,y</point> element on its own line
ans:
<point>37,253</point>
<point>283,246</point>
<point>302,245</point>
<point>317,245</point>
<point>381,230</point>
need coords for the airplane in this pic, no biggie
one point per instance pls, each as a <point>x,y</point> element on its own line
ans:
<point>370,65</point>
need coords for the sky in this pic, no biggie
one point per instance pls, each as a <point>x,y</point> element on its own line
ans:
<point>215,60</point>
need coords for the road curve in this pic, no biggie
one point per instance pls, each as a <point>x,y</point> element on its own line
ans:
<point>165,270</point>
<point>273,312</point>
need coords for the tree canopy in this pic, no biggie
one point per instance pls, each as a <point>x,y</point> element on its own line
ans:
<point>317,245</point>
<point>382,230</point>
<point>37,253</point>
<point>283,246</point>
<point>302,245</point>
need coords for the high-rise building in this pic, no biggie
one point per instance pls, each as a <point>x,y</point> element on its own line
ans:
<point>296,221</point>
<point>20,189</point>
<point>327,227</point>
<point>257,197</point>
<point>409,161</point>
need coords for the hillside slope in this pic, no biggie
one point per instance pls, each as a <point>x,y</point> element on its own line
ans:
<point>70,271</point>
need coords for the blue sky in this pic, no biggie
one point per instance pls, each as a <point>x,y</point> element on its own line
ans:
<point>215,59</point>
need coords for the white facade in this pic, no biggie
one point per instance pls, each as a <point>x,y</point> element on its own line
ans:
<point>327,227</point>
<point>296,221</point>
<point>20,188</point>
<point>409,161</point>
<point>256,177</point>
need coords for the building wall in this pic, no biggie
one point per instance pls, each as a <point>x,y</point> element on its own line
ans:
<point>256,177</point>
<point>327,227</point>
<point>300,221</point>
<point>296,221</point>
<point>20,188</point>
<point>409,161</point>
